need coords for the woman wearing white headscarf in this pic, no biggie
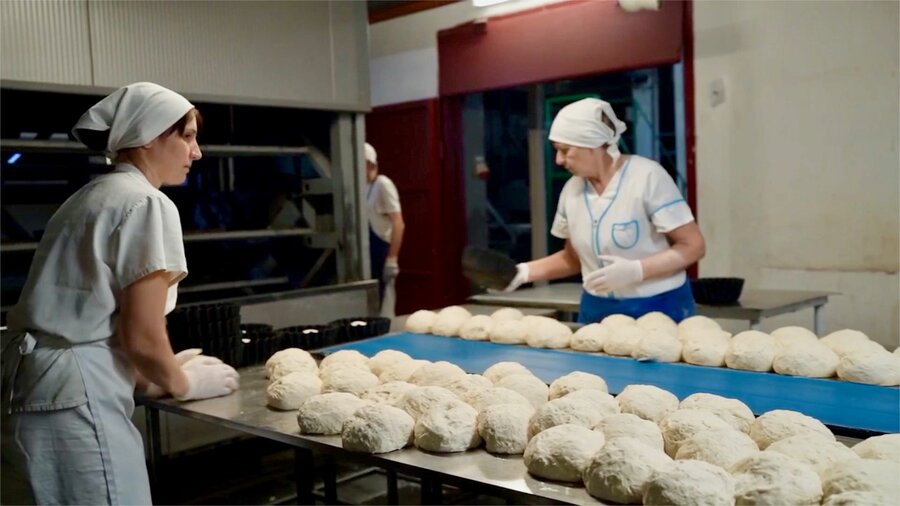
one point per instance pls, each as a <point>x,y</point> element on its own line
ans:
<point>90,324</point>
<point>628,230</point>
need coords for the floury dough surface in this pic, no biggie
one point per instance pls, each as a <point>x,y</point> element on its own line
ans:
<point>477,328</point>
<point>751,351</point>
<point>388,393</point>
<point>658,346</point>
<point>863,475</point>
<point>623,339</point>
<point>773,478</point>
<point>436,374</point>
<point>732,411</point>
<point>621,469</point>
<point>871,366</point>
<point>509,332</point>
<point>385,359</point>
<point>787,336</point>
<point>706,347</point>
<point>721,447</point>
<point>690,325</point>
<point>647,401</point>
<point>447,429</point>
<point>562,453</point>
<point>627,425</point>
<point>420,400</point>
<point>549,333</point>
<point>421,321</point>
<point>507,313</point>
<point>449,320</point>
<point>681,425</point>
<point>401,371</point>
<point>565,411</point>
<point>467,387</point>
<point>345,357</point>
<point>658,321</point>
<point>528,385</point>
<point>504,428</point>
<point>576,380</point>
<point>813,360</point>
<point>377,429</point>
<point>284,362</point>
<point>884,447</point>
<point>325,413</point>
<point>291,391</point>
<point>589,338</point>
<point>497,395</point>
<point>501,369</point>
<point>814,450</point>
<point>350,380</point>
<point>781,424</point>
<point>690,482</point>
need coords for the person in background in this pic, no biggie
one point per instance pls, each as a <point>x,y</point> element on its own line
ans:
<point>89,327</point>
<point>628,230</point>
<point>385,231</point>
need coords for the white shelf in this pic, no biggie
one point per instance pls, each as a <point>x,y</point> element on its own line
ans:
<point>225,285</point>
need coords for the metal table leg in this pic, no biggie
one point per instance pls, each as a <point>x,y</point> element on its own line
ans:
<point>304,475</point>
<point>153,441</point>
<point>329,479</point>
<point>817,319</point>
<point>393,493</point>
<point>431,491</point>
<point>754,324</point>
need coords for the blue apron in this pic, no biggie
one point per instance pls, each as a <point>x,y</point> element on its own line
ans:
<point>678,304</point>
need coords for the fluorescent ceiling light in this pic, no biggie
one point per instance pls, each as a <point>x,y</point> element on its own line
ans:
<point>485,3</point>
<point>14,158</point>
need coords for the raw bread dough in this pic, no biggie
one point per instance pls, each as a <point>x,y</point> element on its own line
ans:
<point>620,471</point>
<point>857,498</point>
<point>421,321</point>
<point>562,453</point>
<point>290,391</point>
<point>863,475</point>
<point>439,374</point>
<point>401,371</point>
<point>607,404</point>
<point>773,478</point>
<point>497,395</point>
<point>679,426</point>
<point>658,346</point>
<point>628,425</point>
<point>885,447</point>
<point>388,393</point>
<point>782,423</point>
<point>751,350</point>
<point>325,413</point>
<point>549,333</point>
<point>814,360</point>
<point>501,369</point>
<point>813,450</point>
<point>449,320</point>
<point>690,325</point>
<point>690,482</point>
<point>284,362</point>
<point>528,385</point>
<point>507,313</point>
<point>563,412</point>
<point>618,320</point>
<point>731,411</point>
<point>788,336</point>
<point>385,359</point>
<point>447,429</point>
<point>348,379</point>
<point>377,429</point>
<point>466,387</point>
<point>509,332</point>
<point>589,338</point>
<point>576,380</point>
<point>504,428</point>
<point>706,347</point>
<point>418,401</point>
<point>870,366</point>
<point>844,341</point>
<point>345,357</point>
<point>622,340</point>
<point>335,366</point>
<point>647,401</point>
<point>722,447</point>
<point>658,321</point>
<point>478,328</point>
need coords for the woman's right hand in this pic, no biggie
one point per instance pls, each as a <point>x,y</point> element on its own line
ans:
<point>208,378</point>
<point>520,279</point>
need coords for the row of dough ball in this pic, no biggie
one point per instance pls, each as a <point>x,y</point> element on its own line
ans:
<point>574,430</point>
<point>698,340</point>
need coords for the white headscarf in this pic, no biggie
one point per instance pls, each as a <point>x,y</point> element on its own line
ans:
<point>133,115</point>
<point>581,124</point>
<point>371,155</point>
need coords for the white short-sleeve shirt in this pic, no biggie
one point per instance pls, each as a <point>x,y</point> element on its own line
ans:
<point>112,232</point>
<point>382,199</point>
<point>638,207</point>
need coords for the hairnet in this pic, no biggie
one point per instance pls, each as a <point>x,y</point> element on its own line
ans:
<point>581,124</point>
<point>371,155</point>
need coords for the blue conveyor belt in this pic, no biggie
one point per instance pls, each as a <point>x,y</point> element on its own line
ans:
<point>839,404</point>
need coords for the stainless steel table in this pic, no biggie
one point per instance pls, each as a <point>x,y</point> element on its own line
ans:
<point>753,306</point>
<point>476,470</point>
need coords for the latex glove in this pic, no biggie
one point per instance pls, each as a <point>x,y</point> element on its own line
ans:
<point>182,357</point>
<point>207,379</point>
<point>522,273</point>
<point>391,270</point>
<point>617,274</point>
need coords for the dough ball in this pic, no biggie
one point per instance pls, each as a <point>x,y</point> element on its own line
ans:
<point>681,425</point>
<point>497,395</point>
<point>504,428</point>
<point>290,391</point>
<point>529,386</point>
<point>577,380</point>
<point>773,478</point>
<point>447,429</point>
<point>706,347</point>
<point>857,498</point>
<point>604,402</point>
<point>533,320</point>
<point>421,321</point>
<point>562,453</point>
<point>885,447</point>
<point>509,332</point>
<point>622,340</point>
<point>377,429</point>
<point>388,393</point>
<point>863,475</point>
<point>751,351</point>
<point>620,471</point>
<point>810,360</point>
<point>813,450</point>
<point>721,447</point>
<point>438,374</point>
<point>385,359</point>
<point>627,425</point>
<point>618,320</point>
<point>897,351</point>
<point>332,367</point>
<point>420,400</point>
<point>689,326</point>
<point>844,341</point>
<point>788,336</point>
<point>501,369</point>
<point>782,423</point>
<point>449,320</point>
<point>732,411</point>
<point>478,328</point>
<point>468,386</point>
<point>647,401</point>
<point>690,482</point>
<point>549,333</point>
<point>325,413</point>
<point>565,412</point>
<point>658,321</point>
<point>284,362</point>
<point>658,346</point>
<point>589,338</point>
<point>401,371</point>
<point>872,367</point>
<point>345,357</point>
<point>507,313</point>
<point>350,380</point>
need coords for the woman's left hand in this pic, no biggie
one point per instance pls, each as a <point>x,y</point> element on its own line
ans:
<point>619,273</point>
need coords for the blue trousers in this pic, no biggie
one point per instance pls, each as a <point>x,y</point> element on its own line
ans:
<point>678,304</point>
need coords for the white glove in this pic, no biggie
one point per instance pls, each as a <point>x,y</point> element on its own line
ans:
<point>619,273</point>
<point>391,270</point>
<point>209,378</point>
<point>520,279</point>
<point>182,357</point>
